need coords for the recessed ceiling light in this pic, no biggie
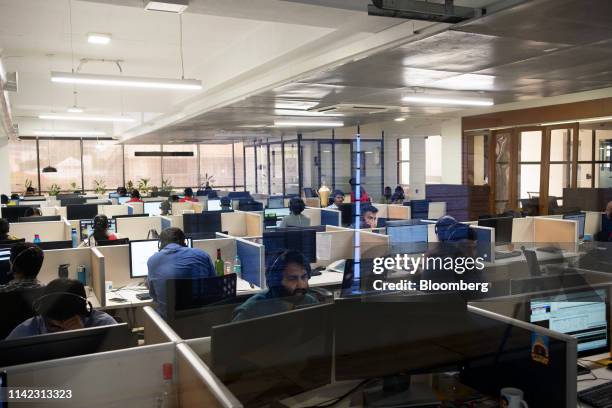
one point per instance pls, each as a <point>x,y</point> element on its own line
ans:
<point>74,133</point>
<point>281,123</point>
<point>87,118</point>
<point>125,81</point>
<point>440,100</point>
<point>399,119</point>
<point>169,6</point>
<point>98,38</point>
<point>75,109</point>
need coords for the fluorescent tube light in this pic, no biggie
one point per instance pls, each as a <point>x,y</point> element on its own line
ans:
<point>447,101</point>
<point>74,133</point>
<point>595,119</point>
<point>169,6</point>
<point>97,38</point>
<point>125,81</point>
<point>297,112</point>
<point>399,119</point>
<point>75,109</point>
<point>589,120</point>
<point>87,118</point>
<point>281,123</point>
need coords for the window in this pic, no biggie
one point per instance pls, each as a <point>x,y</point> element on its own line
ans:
<point>262,169</point>
<point>249,160</point>
<point>142,167</point>
<point>23,164</point>
<point>65,156</point>
<point>180,171</point>
<point>216,162</point>
<point>239,165</point>
<point>276,169</point>
<point>102,161</point>
<point>403,162</point>
<point>530,156</point>
<point>433,160</point>
<point>560,161</point>
<point>291,168</point>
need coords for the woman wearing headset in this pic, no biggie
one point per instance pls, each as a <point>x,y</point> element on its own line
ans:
<point>63,306</point>
<point>26,259</point>
<point>296,218</point>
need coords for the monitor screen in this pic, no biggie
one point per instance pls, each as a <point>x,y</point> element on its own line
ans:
<point>152,207</point>
<point>140,252</point>
<point>303,240</point>
<point>86,227</point>
<point>583,315</point>
<point>113,195</point>
<point>503,228</point>
<point>205,222</point>
<point>81,211</point>
<point>581,219</point>
<point>214,205</point>
<point>279,212</point>
<point>276,202</point>
<point>123,200</point>
<point>407,234</point>
<point>13,213</point>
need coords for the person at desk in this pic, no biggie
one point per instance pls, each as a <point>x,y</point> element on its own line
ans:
<point>387,194</point>
<point>363,195</point>
<point>135,197</point>
<point>26,259</point>
<point>226,204</point>
<point>338,197</point>
<point>100,229</point>
<point>189,198</point>
<point>296,218</point>
<point>175,261</point>
<point>369,217</point>
<point>398,196</point>
<point>166,206</point>
<point>122,191</point>
<point>4,199</point>
<point>5,228</point>
<point>63,306</point>
<point>287,280</point>
<point>606,235</point>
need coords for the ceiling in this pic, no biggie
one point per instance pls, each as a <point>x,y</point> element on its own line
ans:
<point>538,49</point>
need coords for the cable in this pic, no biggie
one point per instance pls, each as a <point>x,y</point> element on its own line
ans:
<point>333,401</point>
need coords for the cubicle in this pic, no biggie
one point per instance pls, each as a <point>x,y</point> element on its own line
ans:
<point>136,228</point>
<point>111,210</point>
<point>46,230</point>
<point>338,243</point>
<point>322,216</point>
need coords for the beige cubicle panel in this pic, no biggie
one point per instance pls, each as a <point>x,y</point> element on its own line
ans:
<point>382,210</point>
<point>48,211</point>
<point>334,245</point>
<point>523,229</point>
<point>373,245</point>
<point>117,265</point>
<point>314,214</point>
<point>131,378</point>
<point>98,276</point>
<point>156,330</point>
<point>210,246</point>
<point>137,207</point>
<point>112,210</point>
<point>198,386</point>
<point>175,220</point>
<point>331,228</point>
<point>592,222</point>
<point>56,257</point>
<point>46,230</point>
<point>234,223</point>
<point>136,228</point>
<point>179,208</point>
<point>550,230</point>
<point>436,210</point>
<point>431,233</point>
<point>312,202</point>
<point>398,212</point>
<point>254,223</point>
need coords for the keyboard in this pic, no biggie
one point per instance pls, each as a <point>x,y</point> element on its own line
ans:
<point>582,370</point>
<point>504,255</point>
<point>599,396</point>
<point>143,296</point>
<point>550,249</point>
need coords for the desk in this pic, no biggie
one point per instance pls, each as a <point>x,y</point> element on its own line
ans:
<point>601,372</point>
<point>327,278</point>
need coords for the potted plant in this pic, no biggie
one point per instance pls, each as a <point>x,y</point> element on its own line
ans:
<point>74,187</point>
<point>99,186</point>
<point>208,181</point>
<point>130,186</point>
<point>143,185</point>
<point>166,186</point>
<point>54,190</point>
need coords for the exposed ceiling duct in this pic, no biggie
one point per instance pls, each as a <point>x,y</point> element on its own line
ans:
<point>422,10</point>
<point>8,82</point>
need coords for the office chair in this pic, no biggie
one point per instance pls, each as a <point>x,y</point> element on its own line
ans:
<point>184,294</point>
<point>17,307</point>
<point>532,262</point>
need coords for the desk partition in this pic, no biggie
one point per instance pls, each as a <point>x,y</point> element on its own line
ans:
<point>136,228</point>
<point>135,208</point>
<point>436,210</point>
<point>46,230</point>
<point>210,246</point>
<point>98,276</point>
<point>339,243</point>
<point>112,210</point>
<point>156,330</point>
<point>592,223</point>
<point>398,212</point>
<point>383,212</point>
<point>522,230</point>
<point>117,265</point>
<point>242,224</point>
<point>547,230</point>
<point>252,259</point>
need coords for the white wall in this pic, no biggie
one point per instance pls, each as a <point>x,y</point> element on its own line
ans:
<point>5,170</point>
<point>451,151</point>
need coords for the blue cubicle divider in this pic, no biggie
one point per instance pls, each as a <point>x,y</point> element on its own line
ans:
<point>330,217</point>
<point>419,209</point>
<point>165,223</point>
<point>484,242</point>
<point>251,259</point>
<point>130,210</point>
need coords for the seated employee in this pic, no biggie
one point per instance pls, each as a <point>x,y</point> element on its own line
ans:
<point>5,227</point>
<point>226,204</point>
<point>175,261</point>
<point>296,218</point>
<point>122,191</point>
<point>26,259</point>
<point>338,197</point>
<point>363,195</point>
<point>287,281</point>
<point>63,306</point>
<point>188,196</point>
<point>100,231</point>
<point>4,199</point>
<point>135,197</point>
<point>369,217</point>
<point>387,194</point>
<point>398,196</point>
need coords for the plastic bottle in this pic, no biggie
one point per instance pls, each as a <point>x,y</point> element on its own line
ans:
<point>75,240</point>
<point>219,266</point>
<point>36,239</point>
<point>167,399</point>
<point>237,267</point>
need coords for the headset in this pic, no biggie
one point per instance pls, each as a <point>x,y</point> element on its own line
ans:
<point>277,269</point>
<point>296,205</point>
<point>449,229</point>
<point>183,242</point>
<point>84,307</point>
<point>14,260</point>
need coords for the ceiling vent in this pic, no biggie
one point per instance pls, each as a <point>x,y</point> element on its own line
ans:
<point>168,6</point>
<point>349,108</point>
<point>422,10</point>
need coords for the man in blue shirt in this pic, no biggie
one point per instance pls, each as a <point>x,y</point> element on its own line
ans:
<point>287,281</point>
<point>63,306</point>
<point>175,261</point>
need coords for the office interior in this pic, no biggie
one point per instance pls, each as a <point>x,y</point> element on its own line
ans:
<point>497,113</point>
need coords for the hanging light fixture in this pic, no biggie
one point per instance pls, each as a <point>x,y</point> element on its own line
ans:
<point>49,168</point>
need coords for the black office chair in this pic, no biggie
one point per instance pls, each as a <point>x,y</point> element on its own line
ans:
<point>114,242</point>
<point>184,294</point>
<point>7,243</point>
<point>16,307</point>
<point>532,262</point>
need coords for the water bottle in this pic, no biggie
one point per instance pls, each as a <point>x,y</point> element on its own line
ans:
<point>82,274</point>
<point>36,239</point>
<point>75,240</point>
<point>237,267</point>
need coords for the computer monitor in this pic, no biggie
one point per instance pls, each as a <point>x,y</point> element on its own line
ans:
<point>152,207</point>
<point>214,205</point>
<point>580,219</point>
<point>347,214</point>
<point>113,242</point>
<point>72,201</point>
<point>309,192</point>
<point>238,194</point>
<point>407,234</point>
<point>304,240</point>
<point>581,314</point>
<point>140,252</point>
<point>279,212</point>
<point>274,357</point>
<point>123,199</point>
<point>5,265</point>
<point>65,344</point>
<point>54,245</point>
<point>276,202</point>
<point>13,213</point>
<point>503,228</point>
<point>206,222</point>
<point>81,211</point>
<point>113,195</point>
<point>129,216</point>
<point>40,218</point>
<point>250,205</point>
<point>86,227</point>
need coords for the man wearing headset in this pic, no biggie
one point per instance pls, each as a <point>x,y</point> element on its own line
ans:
<point>175,261</point>
<point>296,218</point>
<point>369,216</point>
<point>287,281</point>
<point>26,259</point>
<point>63,306</point>
<point>338,197</point>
